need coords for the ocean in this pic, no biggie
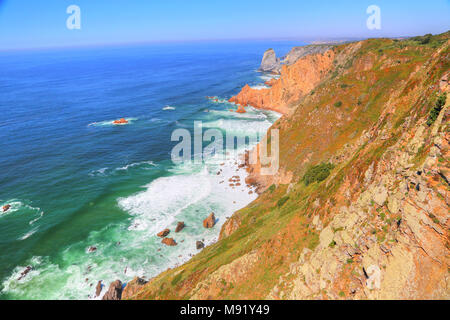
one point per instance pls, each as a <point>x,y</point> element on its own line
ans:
<point>75,180</point>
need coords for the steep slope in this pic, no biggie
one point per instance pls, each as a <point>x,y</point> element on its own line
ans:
<point>359,209</point>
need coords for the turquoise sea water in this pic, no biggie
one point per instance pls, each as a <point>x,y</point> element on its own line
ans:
<point>75,180</point>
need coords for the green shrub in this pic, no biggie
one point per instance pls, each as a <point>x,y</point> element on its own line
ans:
<point>317,173</point>
<point>282,201</point>
<point>272,188</point>
<point>338,104</point>
<point>434,113</point>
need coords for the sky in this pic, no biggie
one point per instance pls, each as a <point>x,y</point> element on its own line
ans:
<point>42,23</point>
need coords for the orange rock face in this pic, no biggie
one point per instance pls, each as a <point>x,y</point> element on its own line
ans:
<point>241,109</point>
<point>295,82</point>
<point>210,221</point>
<point>121,121</point>
<point>169,242</point>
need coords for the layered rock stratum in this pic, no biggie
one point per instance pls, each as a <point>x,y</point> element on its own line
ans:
<point>359,208</point>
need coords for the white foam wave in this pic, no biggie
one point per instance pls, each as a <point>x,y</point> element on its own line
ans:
<point>166,108</point>
<point>137,164</point>
<point>268,77</point>
<point>146,165</point>
<point>164,198</point>
<point>28,234</point>
<point>240,126</point>
<point>260,87</point>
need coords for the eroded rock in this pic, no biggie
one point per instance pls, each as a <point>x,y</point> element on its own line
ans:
<point>180,226</point>
<point>169,242</point>
<point>114,292</point>
<point>210,221</point>
<point>163,233</point>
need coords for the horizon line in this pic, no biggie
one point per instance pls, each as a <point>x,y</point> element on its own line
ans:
<point>150,42</point>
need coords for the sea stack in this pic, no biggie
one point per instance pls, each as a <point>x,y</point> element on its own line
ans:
<point>270,62</point>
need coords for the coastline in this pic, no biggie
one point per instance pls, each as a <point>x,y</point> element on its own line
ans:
<point>314,66</point>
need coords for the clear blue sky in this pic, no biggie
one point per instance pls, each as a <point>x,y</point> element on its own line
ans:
<point>42,23</point>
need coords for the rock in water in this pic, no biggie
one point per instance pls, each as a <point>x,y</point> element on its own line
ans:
<point>92,249</point>
<point>121,121</point>
<point>169,242</point>
<point>25,272</point>
<point>98,288</point>
<point>6,207</point>
<point>180,226</point>
<point>210,221</point>
<point>133,287</point>
<point>163,233</point>
<point>114,292</point>
<point>270,62</point>
<point>200,245</point>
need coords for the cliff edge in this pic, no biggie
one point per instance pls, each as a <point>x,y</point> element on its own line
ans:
<point>360,206</point>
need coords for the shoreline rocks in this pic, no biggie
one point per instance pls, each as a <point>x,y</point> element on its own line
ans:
<point>210,222</point>
<point>133,287</point>
<point>199,245</point>
<point>169,242</point>
<point>6,207</point>
<point>163,233</point>
<point>98,288</point>
<point>114,292</point>
<point>180,226</point>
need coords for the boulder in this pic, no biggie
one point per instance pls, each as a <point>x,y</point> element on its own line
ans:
<point>180,226</point>
<point>114,292</point>
<point>210,221</point>
<point>169,242</point>
<point>133,287</point>
<point>163,233</point>
<point>200,245</point>
<point>6,207</point>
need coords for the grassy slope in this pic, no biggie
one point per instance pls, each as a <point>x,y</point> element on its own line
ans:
<point>320,130</point>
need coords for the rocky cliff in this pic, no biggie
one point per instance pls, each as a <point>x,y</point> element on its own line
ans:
<point>360,206</point>
<point>271,64</point>
<point>295,82</point>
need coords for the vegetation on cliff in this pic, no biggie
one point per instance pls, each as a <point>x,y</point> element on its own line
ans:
<point>364,213</point>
